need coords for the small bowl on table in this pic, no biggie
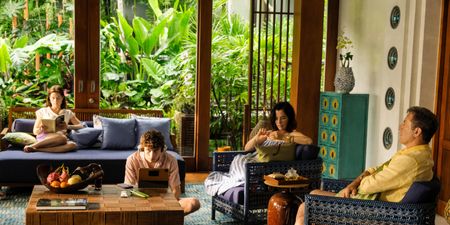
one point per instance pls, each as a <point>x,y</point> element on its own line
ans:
<point>92,172</point>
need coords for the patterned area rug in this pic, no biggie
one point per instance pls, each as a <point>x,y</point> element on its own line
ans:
<point>12,208</point>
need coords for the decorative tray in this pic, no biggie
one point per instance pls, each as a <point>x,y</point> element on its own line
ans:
<point>272,181</point>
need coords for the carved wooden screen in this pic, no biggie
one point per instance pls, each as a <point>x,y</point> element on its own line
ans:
<point>271,35</point>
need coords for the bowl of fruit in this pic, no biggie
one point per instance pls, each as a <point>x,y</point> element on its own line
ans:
<point>61,180</point>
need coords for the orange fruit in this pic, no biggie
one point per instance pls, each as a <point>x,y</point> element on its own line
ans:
<point>63,184</point>
<point>55,184</point>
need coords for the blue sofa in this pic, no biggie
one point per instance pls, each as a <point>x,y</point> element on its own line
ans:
<point>19,168</point>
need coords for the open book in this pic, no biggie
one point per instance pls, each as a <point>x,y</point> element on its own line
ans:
<point>52,124</point>
<point>62,204</point>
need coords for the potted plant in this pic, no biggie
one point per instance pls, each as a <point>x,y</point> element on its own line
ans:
<point>344,80</point>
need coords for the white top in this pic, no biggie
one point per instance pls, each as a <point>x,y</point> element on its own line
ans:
<point>47,113</point>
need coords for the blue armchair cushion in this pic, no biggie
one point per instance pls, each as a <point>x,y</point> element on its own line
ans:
<point>235,195</point>
<point>118,133</point>
<point>271,150</point>
<point>422,192</point>
<point>162,125</point>
<point>306,152</point>
<point>85,137</point>
<point>23,125</point>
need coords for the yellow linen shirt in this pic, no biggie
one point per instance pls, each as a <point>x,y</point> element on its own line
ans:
<point>393,181</point>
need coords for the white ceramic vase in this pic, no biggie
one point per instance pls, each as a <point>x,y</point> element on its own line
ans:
<point>344,81</point>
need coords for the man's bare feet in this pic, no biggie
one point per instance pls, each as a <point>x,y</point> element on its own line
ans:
<point>29,148</point>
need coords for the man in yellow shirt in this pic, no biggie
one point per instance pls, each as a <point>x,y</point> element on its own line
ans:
<point>391,180</point>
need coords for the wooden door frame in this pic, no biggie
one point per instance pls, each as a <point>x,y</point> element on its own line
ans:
<point>87,53</point>
<point>441,88</point>
<point>203,86</point>
<point>331,51</point>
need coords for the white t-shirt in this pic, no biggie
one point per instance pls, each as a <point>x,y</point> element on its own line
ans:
<point>47,113</point>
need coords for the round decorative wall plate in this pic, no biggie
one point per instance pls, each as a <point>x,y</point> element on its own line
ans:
<point>389,98</point>
<point>387,138</point>
<point>392,58</point>
<point>395,17</point>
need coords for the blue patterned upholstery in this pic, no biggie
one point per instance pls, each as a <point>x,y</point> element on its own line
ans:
<point>256,194</point>
<point>333,210</point>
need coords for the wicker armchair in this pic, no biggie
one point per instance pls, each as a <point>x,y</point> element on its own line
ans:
<point>334,210</point>
<point>256,194</point>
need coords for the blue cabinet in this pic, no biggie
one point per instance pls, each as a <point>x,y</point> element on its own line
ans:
<point>343,134</point>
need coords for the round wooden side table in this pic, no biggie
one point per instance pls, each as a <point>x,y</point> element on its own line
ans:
<point>283,206</point>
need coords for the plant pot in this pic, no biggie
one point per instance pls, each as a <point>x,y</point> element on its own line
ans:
<point>344,82</point>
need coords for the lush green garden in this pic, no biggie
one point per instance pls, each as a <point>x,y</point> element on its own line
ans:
<point>147,61</point>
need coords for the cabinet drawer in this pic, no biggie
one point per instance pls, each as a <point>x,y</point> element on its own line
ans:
<point>324,135</point>
<point>329,170</point>
<point>324,119</point>
<point>335,121</point>
<point>329,154</point>
<point>328,137</point>
<point>335,103</point>
<point>324,102</point>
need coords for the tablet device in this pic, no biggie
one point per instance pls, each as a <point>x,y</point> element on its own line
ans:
<point>153,178</point>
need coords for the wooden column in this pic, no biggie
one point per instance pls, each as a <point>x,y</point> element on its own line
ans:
<point>331,52</point>
<point>441,141</point>
<point>306,64</point>
<point>87,53</point>
<point>203,85</point>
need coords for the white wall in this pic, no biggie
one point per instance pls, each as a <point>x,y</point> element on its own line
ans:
<point>367,24</point>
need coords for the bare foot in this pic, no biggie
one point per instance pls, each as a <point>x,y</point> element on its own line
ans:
<point>2,195</point>
<point>29,148</point>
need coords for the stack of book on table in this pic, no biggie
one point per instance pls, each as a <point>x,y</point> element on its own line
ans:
<point>62,204</point>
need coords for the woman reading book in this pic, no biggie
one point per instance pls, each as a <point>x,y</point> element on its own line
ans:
<point>54,139</point>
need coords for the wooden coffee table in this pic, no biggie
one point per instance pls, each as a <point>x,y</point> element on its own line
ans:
<point>107,207</point>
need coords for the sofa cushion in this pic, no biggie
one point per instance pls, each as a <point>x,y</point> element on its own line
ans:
<point>271,150</point>
<point>118,133</point>
<point>235,195</point>
<point>306,152</point>
<point>85,137</point>
<point>19,139</point>
<point>162,125</point>
<point>422,192</point>
<point>23,125</point>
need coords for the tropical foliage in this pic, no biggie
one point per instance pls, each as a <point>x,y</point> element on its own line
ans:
<point>36,51</point>
<point>147,61</point>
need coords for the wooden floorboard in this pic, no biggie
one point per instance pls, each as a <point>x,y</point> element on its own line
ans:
<point>198,177</point>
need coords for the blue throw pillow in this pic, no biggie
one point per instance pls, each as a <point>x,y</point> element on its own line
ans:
<point>306,152</point>
<point>160,124</point>
<point>23,125</point>
<point>118,133</point>
<point>422,192</point>
<point>85,137</point>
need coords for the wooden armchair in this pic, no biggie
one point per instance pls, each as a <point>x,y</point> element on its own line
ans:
<point>252,206</point>
<point>334,210</point>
